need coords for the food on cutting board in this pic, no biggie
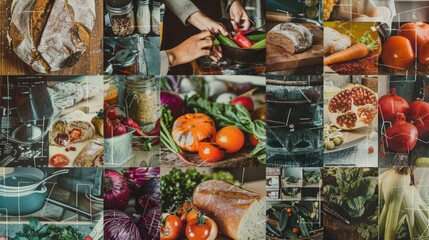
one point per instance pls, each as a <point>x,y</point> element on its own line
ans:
<point>293,37</point>
<point>359,50</point>
<point>220,200</point>
<point>411,42</point>
<point>91,155</point>
<point>73,127</point>
<point>353,107</point>
<point>333,41</point>
<point>52,35</point>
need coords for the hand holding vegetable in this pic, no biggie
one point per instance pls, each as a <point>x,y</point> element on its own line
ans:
<point>192,48</point>
<point>239,16</point>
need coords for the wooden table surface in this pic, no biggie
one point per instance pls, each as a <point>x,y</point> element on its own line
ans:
<point>91,62</point>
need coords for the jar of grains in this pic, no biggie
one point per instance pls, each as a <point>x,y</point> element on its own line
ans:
<point>111,90</point>
<point>121,16</point>
<point>141,99</point>
<point>143,17</point>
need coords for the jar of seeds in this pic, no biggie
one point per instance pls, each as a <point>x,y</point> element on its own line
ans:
<point>141,99</point>
<point>121,16</point>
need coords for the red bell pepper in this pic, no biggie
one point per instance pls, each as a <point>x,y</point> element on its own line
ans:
<point>242,40</point>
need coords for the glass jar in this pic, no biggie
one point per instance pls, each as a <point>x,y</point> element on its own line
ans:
<point>121,16</point>
<point>143,17</point>
<point>156,17</point>
<point>141,99</point>
<point>111,90</point>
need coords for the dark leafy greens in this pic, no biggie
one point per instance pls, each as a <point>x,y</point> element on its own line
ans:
<point>291,179</point>
<point>232,115</point>
<point>37,231</point>
<point>353,191</point>
<point>312,176</point>
<point>291,192</point>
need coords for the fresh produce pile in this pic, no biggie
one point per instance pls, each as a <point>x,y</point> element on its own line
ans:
<point>291,191</point>
<point>412,42</point>
<point>141,184</point>
<point>408,122</point>
<point>217,123</point>
<point>35,230</point>
<point>291,179</point>
<point>354,190</point>
<point>292,220</point>
<point>312,176</point>
<point>404,214</point>
<point>116,124</point>
<point>195,207</point>
<point>240,39</point>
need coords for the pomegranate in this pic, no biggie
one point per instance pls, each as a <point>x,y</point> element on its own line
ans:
<point>402,135</point>
<point>419,115</point>
<point>391,104</point>
<point>353,107</point>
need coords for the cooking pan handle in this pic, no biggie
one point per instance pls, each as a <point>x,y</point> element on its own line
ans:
<point>70,208</point>
<point>60,172</point>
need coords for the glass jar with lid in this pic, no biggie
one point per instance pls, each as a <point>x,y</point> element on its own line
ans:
<point>143,17</point>
<point>111,90</point>
<point>142,99</point>
<point>121,16</point>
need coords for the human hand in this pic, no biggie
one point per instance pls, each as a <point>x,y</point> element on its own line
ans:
<point>192,48</point>
<point>239,16</point>
<point>204,23</point>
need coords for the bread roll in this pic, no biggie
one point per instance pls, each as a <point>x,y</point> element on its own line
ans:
<point>51,35</point>
<point>293,37</point>
<point>239,214</point>
<point>91,155</point>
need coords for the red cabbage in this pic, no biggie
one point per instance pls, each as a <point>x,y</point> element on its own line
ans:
<point>149,219</point>
<point>138,176</point>
<point>174,102</point>
<point>116,190</point>
<point>117,225</point>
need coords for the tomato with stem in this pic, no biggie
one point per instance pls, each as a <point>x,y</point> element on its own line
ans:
<point>201,228</point>
<point>171,227</point>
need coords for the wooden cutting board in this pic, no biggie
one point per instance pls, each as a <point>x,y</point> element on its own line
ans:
<point>279,59</point>
<point>90,63</point>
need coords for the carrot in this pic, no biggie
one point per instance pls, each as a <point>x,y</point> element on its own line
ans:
<point>359,50</point>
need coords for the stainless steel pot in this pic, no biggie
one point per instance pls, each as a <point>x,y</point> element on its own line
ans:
<point>23,203</point>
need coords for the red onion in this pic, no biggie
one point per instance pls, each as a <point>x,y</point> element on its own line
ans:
<point>149,223</point>
<point>117,225</point>
<point>419,115</point>
<point>116,190</point>
<point>138,176</point>
<point>174,102</point>
<point>402,135</point>
<point>390,105</point>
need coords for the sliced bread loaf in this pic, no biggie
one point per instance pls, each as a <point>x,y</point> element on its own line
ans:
<point>293,37</point>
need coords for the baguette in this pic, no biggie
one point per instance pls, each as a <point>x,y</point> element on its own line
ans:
<point>77,125</point>
<point>239,214</point>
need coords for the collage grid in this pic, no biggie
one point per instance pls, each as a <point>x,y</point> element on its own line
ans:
<point>142,119</point>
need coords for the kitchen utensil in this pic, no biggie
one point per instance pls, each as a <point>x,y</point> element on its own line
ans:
<point>125,58</point>
<point>118,149</point>
<point>243,55</point>
<point>34,103</point>
<point>22,203</point>
<point>29,183</point>
<point>27,132</point>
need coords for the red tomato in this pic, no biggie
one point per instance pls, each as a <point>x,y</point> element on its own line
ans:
<point>424,53</point>
<point>201,228</point>
<point>210,152</point>
<point>254,141</point>
<point>171,228</point>
<point>230,138</point>
<point>417,33</point>
<point>246,101</point>
<point>397,52</point>
<point>87,238</point>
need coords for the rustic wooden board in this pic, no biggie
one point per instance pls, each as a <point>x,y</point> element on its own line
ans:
<point>279,59</point>
<point>91,62</point>
<point>239,159</point>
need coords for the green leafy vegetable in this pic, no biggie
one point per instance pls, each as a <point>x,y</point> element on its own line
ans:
<point>292,192</point>
<point>37,231</point>
<point>368,41</point>
<point>354,190</point>
<point>291,179</point>
<point>312,176</point>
